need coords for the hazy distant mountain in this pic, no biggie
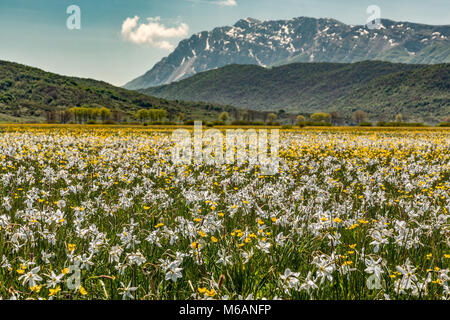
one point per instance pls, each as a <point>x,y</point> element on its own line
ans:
<point>382,89</point>
<point>303,39</point>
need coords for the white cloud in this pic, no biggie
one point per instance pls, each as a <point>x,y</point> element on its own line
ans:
<point>222,3</point>
<point>153,32</point>
<point>226,3</point>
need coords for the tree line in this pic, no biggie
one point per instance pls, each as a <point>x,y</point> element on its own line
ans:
<point>151,115</point>
<point>83,115</point>
<point>88,114</point>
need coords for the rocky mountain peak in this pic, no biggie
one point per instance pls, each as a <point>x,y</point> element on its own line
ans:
<point>302,39</point>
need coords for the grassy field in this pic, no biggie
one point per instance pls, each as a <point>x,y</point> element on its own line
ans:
<point>101,212</point>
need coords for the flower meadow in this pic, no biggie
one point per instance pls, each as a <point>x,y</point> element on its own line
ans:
<point>102,213</point>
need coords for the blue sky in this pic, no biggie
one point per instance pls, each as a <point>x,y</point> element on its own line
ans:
<point>34,32</point>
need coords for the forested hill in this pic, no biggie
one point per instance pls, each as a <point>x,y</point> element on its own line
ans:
<point>382,89</point>
<point>27,94</point>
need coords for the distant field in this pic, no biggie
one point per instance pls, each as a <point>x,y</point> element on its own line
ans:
<point>101,212</point>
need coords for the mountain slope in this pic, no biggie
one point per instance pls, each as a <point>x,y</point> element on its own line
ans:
<point>302,39</point>
<point>422,95</point>
<point>27,93</point>
<point>382,89</point>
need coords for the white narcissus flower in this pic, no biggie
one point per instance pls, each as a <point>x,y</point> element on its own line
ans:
<point>173,271</point>
<point>309,283</point>
<point>291,278</point>
<point>374,267</point>
<point>31,278</point>
<point>7,203</point>
<point>127,291</point>
<point>54,280</point>
<point>224,258</point>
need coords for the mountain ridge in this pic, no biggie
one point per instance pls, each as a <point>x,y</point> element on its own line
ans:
<point>302,39</point>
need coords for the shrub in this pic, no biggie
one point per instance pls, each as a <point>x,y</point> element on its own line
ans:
<point>257,123</point>
<point>240,123</point>
<point>109,122</point>
<point>321,117</point>
<point>365,124</point>
<point>444,124</point>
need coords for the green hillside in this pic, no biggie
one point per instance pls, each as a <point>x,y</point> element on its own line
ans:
<point>383,89</point>
<point>27,94</point>
<point>422,95</point>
